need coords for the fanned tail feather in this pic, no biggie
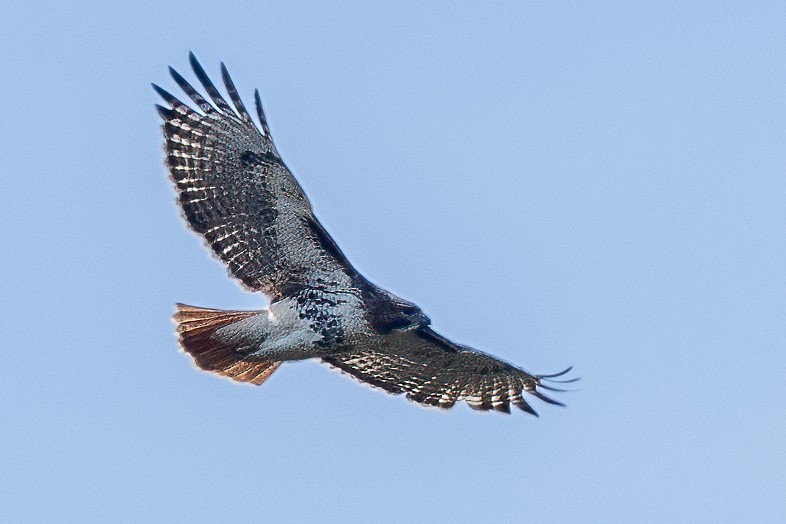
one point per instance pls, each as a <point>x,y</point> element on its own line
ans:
<point>196,328</point>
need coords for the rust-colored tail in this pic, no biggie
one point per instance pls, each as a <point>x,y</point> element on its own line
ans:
<point>196,328</point>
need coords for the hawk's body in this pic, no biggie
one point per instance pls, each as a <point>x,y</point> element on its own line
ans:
<point>237,193</point>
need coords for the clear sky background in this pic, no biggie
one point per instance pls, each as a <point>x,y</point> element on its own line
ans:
<point>556,183</point>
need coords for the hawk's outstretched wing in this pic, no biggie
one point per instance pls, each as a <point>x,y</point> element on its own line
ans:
<point>434,371</point>
<point>237,193</point>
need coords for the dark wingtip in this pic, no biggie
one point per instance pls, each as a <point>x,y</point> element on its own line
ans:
<point>177,77</point>
<point>233,94</point>
<point>544,386</point>
<point>165,112</point>
<point>546,399</point>
<point>564,381</point>
<point>502,408</point>
<point>196,66</point>
<point>261,113</point>
<point>224,72</point>
<point>204,79</point>
<point>563,372</point>
<point>550,378</point>
<point>192,93</point>
<point>166,95</point>
<point>522,405</point>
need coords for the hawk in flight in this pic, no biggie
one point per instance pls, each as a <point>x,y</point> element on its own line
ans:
<point>235,191</point>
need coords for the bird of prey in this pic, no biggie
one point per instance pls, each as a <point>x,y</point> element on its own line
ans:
<point>236,192</point>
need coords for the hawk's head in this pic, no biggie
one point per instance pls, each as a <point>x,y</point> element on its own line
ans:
<point>410,314</point>
<point>414,314</point>
<point>386,311</point>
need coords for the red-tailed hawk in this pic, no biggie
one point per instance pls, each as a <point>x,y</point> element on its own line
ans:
<point>236,192</point>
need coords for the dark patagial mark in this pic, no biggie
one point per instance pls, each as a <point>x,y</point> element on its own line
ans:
<point>254,158</point>
<point>167,96</point>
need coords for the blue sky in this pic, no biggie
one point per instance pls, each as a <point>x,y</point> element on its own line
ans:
<point>555,183</point>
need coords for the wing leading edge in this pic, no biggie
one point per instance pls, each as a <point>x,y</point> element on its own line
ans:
<point>237,193</point>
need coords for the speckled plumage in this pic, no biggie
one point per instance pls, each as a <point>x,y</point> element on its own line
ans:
<point>235,191</point>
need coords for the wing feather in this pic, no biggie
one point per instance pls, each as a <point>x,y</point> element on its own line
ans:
<point>237,193</point>
<point>233,94</point>
<point>433,371</point>
<point>208,85</point>
<point>192,93</point>
<point>261,113</point>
